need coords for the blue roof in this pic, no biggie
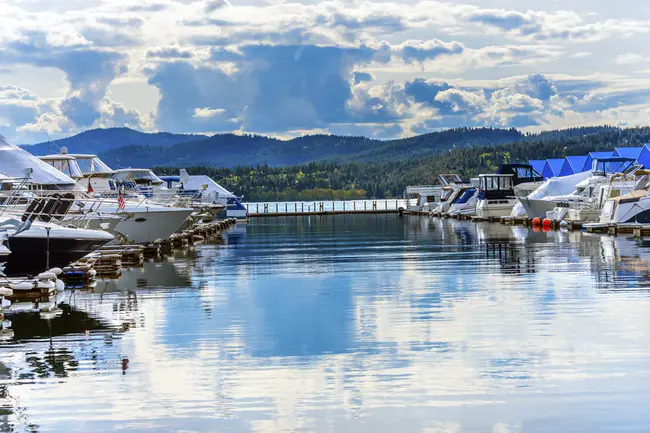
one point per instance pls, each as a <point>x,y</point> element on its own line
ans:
<point>573,164</point>
<point>644,156</point>
<point>538,165</point>
<point>552,168</point>
<point>630,152</point>
<point>592,156</point>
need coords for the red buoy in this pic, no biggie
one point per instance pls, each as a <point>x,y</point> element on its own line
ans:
<point>537,221</point>
<point>546,222</point>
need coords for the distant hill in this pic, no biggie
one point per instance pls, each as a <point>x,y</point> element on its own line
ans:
<point>101,140</point>
<point>123,147</point>
<point>230,150</point>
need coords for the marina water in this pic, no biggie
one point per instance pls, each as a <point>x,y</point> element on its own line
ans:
<point>350,323</point>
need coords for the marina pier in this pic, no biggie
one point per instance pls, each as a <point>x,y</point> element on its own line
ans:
<point>325,207</point>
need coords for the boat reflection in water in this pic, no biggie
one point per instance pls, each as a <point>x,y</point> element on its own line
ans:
<point>352,323</point>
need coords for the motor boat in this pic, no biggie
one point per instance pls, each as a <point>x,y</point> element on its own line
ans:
<point>451,194</point>
<point>140,220</point>
<point>206,195</point>
<point>630,208</point>
<point>466,202</point>
<point>611,177</point>
<point>550,194</point>
<point>36,246</point>
<point>499,192</point>
<point>427,197</point>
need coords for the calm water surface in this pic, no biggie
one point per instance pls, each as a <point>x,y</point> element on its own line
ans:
<point>348,324</point>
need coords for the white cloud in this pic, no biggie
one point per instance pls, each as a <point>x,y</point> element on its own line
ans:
<point>630,59</point>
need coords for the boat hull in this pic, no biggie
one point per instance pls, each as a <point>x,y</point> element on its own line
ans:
<point>29,249</point>
<point>494,208</point>
<point>537,208</point>
<point>147,225</point>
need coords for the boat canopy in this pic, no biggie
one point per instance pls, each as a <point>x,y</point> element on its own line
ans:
<point>522,172</point>
<point>138,175</point>
<point>14,160</point>
<point>91,164</point>
<point>612,164</point>
<point>465,196</point>
<point>593,155</point>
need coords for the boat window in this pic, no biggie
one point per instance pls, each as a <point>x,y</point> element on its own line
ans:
<point>524,172</point>
<point>446,194</point>
<point>431,199</point>
<point>68,167</point>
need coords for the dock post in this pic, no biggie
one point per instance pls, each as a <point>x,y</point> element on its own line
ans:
<point>285,207</point>
<point>302,207</point>
<point>343,206</point>
<point>295,208</point>
<point>266,208</point>
<point>396,204</point>
<point>365,205</point>
<point>374,205</point>
<point>354,205</point>
<point>276,207</point>
<point>257,208</point>
<point>386,205</point>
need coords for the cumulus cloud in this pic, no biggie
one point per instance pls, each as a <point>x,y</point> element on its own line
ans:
<point>278,66</point>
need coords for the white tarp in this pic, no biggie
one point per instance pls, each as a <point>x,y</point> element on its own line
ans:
<point>14,161</point>
<point>554,187</point>
<point>198,182</point>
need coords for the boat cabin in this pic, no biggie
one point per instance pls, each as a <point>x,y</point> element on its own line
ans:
<point>66,164</point>
<point>141,179</point>
<point>91,165</point>
<point>501,184</point>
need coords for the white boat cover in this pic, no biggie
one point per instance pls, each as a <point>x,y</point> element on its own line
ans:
<point>198,182</point>
<point>14,161</point>
<point>553,188</point>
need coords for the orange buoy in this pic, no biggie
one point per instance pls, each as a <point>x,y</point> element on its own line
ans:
<point>546,229</point>
<point>537,221</point>
<point>546,223</point>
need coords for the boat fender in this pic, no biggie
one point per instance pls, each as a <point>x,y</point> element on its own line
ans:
<point>537,221</point>
<point>25,285</point>
<point>46,276</point>
<point>46,285</point>
<point>5,291</point>
<point>92,273</point>
<point>563,223</point>
<point>5,303</point>
<point>546,223</point>
<point>59,285</point>
<point>56,271</point>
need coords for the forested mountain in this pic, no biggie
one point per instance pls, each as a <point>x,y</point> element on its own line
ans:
<point>323,180</point>
<point>101,140</point>
<point>228,150</point>
<point>128,148</point>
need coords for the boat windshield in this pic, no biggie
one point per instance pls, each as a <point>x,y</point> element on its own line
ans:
<point>492,183</point>
<point>93,165</point>
<point>66,166</point>
<point>139,176</point>
<point>446,194</point>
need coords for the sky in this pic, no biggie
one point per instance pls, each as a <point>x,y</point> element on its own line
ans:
<point>286,68</point>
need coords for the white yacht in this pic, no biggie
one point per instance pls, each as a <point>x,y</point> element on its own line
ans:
<point>630,208</point>
<point>465,203</point>
<point>611,177</point>
<point>427,197</point>
<point>552,193</point>
<point>139,220</point>
<point>206,195</point>
<point>499,192</point>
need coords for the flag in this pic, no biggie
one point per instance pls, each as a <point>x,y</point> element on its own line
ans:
<point>90,187</point>
<point>120,198</point>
